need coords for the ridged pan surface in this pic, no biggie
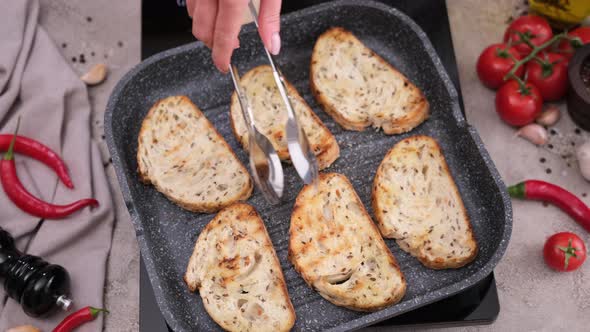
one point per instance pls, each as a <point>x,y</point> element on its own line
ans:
<point>166,233</point>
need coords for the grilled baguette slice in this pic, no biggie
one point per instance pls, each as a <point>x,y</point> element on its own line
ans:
<point>270,117</point>
<point>338,250</point>
<point>358,88</point>
<point>416,202</point>
<point>238,275</point>
<point>185,158</point>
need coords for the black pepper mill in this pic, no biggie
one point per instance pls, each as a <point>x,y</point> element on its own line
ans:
<point>38,286</point>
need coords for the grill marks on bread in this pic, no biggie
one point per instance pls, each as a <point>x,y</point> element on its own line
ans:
<point>360,89</point>
<point>338,250</point>
<point>183,156</point>
<point>237,273</point>
<point>416,202</point>
<point>270,117</point>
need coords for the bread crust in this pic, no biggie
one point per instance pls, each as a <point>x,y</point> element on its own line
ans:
<point>246,214</point>
<point>341,297</point>
<point>326,150</point>
<point>205,207</point>
<point>417,113</point>
<point>378,208</point>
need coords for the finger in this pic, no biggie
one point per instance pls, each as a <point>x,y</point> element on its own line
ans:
<point>190,7</point>
<point>227,27</point>
<point>269,20</point>
<point>204,21</point>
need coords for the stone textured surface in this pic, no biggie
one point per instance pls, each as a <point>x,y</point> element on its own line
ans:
<point>107,32</point>
<point>532,297</point>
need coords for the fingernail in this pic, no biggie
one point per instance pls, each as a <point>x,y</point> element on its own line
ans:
<point>275,43</point>
<point>222,69</point>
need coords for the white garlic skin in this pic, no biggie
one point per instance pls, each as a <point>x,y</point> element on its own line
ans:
<point>583,155</point>
<point>534,133</point>
<point>549,116</point>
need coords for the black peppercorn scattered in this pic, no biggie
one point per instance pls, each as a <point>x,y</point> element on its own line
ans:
<point>548,171</point>
<point>584,194</point>
<point>573,143</point>
<point>578,131</point>
<point>74,59</point>
<point>542,160</point>
<point>92,53</point>
<point>64,45</point>
<point>552,132</point>
<point>88,19</point>
<point>550,146</point>
<point>120,43</point>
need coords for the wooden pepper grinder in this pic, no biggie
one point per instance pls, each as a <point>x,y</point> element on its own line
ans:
<point>38,286</point>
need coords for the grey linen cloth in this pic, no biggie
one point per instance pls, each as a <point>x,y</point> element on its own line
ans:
<point>37,84</point>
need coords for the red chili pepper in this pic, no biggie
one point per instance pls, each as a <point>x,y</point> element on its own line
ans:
<point>27,202</point>
<point>78,318</point>
<point>36,150</point>
<point>547,192</point>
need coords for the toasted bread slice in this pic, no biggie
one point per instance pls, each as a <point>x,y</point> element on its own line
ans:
<point>270,117</point>
<point>338,250</point>
<point>238,275</point>
<point>416,202</point>
<point>358,88</point>
<point>186,159</point>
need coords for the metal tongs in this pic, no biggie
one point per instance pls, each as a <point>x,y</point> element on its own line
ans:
<point>264,162</point>
<point>299,150</point>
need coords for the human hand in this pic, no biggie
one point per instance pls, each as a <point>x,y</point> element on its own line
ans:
<point>217,23</point>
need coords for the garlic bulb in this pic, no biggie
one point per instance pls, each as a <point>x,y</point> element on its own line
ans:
<point>534,133</point>
<point>583,155</point>
<point>549,116</point>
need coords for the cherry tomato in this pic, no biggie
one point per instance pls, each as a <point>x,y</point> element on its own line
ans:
<point>549,74</point>
<point>495,62</point>
<point>517,106</point>
<point>564,251</point>
<point>582,35</point>
<point>534,27</point>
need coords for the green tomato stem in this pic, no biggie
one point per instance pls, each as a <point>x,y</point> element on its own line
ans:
<point>533,54</point>
<point>569,251</point>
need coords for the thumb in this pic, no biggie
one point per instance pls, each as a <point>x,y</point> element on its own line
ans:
<point>269,20</point>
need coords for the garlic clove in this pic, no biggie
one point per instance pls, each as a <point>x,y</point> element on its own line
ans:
<point>95,75</point>
<point>549,116</point>
<point>583,155</point>
<point>534,133</point>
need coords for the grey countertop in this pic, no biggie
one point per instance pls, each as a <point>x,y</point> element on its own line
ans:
<point>105,32</point>
<point>532,297</point>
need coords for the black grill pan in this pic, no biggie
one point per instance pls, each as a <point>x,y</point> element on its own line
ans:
<point>166,233</point>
